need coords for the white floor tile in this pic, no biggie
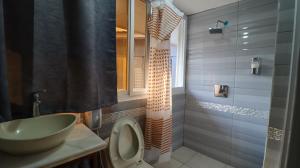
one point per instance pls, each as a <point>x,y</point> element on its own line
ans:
<point>187,158</point>
<point>172,164</point>
<point>183,154</point>
<point>202,161</point>
<point>184,166</point>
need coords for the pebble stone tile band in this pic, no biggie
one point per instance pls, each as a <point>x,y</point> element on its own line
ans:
<point>112,117</point>
<point>275,134</point>
<point>249,112</point>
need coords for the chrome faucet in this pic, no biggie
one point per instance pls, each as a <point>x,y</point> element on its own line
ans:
<point>36,103</point>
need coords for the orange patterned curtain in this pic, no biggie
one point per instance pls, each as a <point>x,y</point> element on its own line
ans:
<point>158,133</point>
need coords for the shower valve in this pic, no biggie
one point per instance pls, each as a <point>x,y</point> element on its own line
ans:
<point>255,66</point>
<point>221,90</point>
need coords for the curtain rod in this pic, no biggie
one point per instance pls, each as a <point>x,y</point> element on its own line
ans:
<point>160,3</point>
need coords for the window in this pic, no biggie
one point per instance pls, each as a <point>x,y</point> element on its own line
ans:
<point>178,52</point>
<point>131,17</point>
<point>122,43</point>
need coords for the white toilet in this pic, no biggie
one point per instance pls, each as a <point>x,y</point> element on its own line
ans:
<point>126,145</point>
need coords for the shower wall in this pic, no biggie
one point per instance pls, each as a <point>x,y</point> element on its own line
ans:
<point>178,103</point>
<point>233,129</point>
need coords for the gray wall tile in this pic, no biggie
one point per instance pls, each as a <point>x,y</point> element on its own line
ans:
<point>178,110</point>
<point>137,110</point>
<point>232,129</point>
<point>286,20</point>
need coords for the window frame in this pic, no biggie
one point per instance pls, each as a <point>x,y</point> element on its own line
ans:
<point>180,71</point>
<point>130,92</point>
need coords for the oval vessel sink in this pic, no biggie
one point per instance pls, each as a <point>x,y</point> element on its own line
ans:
<point>32,135</point>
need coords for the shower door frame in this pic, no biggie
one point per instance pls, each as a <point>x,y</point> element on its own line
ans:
<point>293,95</point>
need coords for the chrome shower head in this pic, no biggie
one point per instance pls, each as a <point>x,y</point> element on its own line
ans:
<point>217,29</point>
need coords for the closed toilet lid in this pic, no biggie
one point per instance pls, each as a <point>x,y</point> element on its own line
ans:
<point>126,146</point>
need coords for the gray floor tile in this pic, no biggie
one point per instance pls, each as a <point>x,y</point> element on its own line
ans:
<point>184,166</point>
<point>187,158</point>
<point>183,154</point>
<point>202,161</point>
<point>172,164</point>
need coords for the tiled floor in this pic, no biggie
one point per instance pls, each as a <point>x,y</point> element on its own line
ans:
<point>187,158</point>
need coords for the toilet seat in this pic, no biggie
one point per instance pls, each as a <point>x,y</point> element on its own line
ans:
<point>126,145</point>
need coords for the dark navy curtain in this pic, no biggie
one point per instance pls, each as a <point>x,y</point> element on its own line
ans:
<point>75,54</point>
<point>67,48</point>
<point>5,113</point>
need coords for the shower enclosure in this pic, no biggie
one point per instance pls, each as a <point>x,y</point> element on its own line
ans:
<point>235,129</point>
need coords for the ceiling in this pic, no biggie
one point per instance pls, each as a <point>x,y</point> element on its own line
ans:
<point>194,6</point>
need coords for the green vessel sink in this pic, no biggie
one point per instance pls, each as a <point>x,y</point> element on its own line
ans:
<point>32,135</point>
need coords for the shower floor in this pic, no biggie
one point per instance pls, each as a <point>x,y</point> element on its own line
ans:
<point>187,158</point>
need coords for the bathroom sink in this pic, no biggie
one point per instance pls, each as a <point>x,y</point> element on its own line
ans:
<point>32,135</point>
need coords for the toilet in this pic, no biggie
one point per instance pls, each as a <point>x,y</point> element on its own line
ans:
<point>126,145</point>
